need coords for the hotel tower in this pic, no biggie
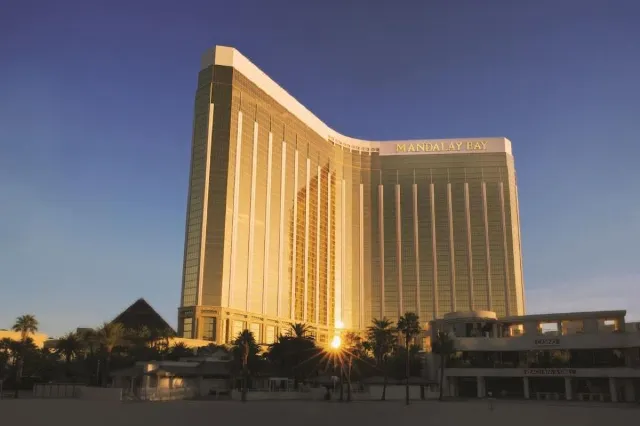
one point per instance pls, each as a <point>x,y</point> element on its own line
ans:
<point>290,221</point>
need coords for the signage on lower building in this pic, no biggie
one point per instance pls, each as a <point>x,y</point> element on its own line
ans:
<point>549,372</point>
<point>547,342</point>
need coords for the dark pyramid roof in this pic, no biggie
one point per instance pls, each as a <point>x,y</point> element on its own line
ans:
<point>140,314</point>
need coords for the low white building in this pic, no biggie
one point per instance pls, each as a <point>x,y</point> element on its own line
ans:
<point>188,378</point>
<point>573,356</point>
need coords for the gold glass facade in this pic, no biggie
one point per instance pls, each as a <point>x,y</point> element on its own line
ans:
<point>285,224</point>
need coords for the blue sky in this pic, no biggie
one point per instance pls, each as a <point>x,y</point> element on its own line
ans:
<point>96,110</point>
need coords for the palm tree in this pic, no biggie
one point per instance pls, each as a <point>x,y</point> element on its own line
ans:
<point>381,340</point>
<point>110,335</point>
<point>180,350</point>
<point>300,330</point>
<point>162,340</point>
<point>140,343</point>
<point>211,349</point>
<point>443,345</point>
<point>90,341</point>
<point>48,363</point>
<point>5,354</point>
<point>69,347</point>
<point>295,353</point>
<point>245,342</point>
<point>351,348</point>
<point>409,326</point>
<point>25,325</point>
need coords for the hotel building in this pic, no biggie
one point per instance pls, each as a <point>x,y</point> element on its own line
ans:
<point>587,356</point>
<point>290,221</point>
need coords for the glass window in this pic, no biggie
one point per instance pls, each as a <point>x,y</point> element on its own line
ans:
<point>187,328</point>
<point>255,329</point>
<point>209,328</point>
<point>270,334</point>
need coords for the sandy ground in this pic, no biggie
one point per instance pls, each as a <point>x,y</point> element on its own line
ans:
<point>34,412</point>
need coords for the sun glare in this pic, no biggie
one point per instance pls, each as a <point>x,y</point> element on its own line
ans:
<point>336,342</point>
<point>339,324</point>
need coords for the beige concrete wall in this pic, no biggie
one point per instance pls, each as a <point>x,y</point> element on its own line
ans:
<point>190,343</point>
<point>38,338</point>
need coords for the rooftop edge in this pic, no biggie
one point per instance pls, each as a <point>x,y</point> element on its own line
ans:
<point>231,57</point>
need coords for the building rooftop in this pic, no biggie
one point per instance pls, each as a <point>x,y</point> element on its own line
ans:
<point>231,57</point>
<point>141,314</point>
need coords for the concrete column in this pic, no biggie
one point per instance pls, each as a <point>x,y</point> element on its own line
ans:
<point>453,387</point>
<point>234,219</point>
<point>292,306</point>
<point>330,283</point>
<point>525,384</point>
<point>444,384</point>
<point>481,387</point>
<point>381,233</point>
<point>305,279</point>
<point>487,246</point>
<point>434,251</point>
<point>282,241</point>
<point>361,304</point>
<point>613,389</point>
<point>416,248</point>
<point>252,217</point>
<point>467,212</point>
<point>452,253</point>
<point>494,330</point>
<point>399,250</point>
<point>568,388</point>
<point>507,274</point>
<point>267,227</point>
<point>629,391</point>
<point>316,304</point>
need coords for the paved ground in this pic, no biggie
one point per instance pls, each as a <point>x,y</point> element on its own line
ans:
<point>34,412</point>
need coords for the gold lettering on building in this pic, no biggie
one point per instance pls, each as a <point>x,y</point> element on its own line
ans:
<point>442,146</point>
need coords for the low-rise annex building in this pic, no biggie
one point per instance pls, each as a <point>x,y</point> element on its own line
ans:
<point>572,356</point>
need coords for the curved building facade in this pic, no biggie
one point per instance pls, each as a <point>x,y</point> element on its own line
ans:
<point>290,221</point>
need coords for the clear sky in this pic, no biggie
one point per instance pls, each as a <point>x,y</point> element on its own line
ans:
<point>96,111</point>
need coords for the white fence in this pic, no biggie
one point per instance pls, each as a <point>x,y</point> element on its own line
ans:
<point>160,394</point>
<point>70,390</point>
<point>56,390</point>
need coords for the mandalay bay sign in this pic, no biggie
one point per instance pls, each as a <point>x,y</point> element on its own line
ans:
<point>442,146</point>
<point>446,146</point>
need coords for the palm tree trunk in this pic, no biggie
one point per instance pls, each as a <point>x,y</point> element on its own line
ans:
<point>408,366</point>
<point>384,382</point>
<point>67,365</point>
<point>107,366</point>
<point>349,381</point>
<point>341,381</point>
<point>441,376</point>
<point>244,382</point>
<point>19,368</point>
<point>98,377</point>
